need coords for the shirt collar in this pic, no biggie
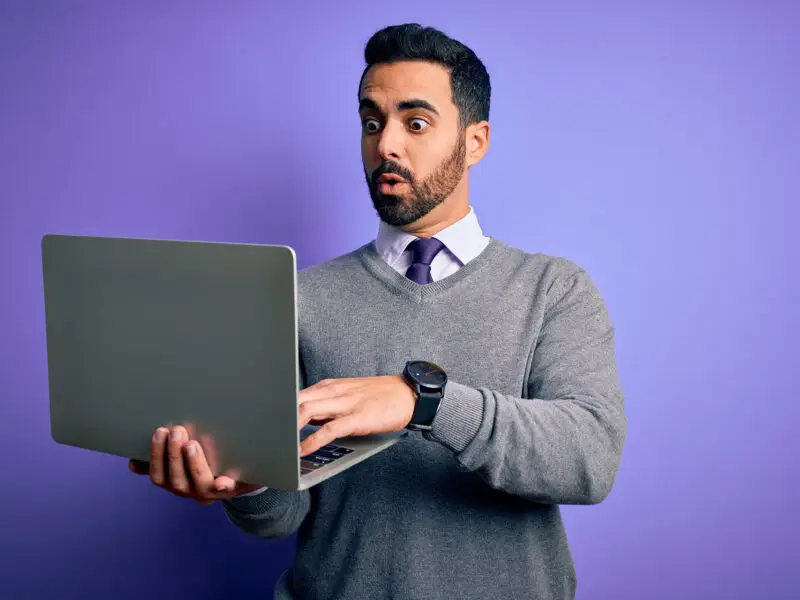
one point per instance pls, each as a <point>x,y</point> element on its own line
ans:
<point>464,239</point>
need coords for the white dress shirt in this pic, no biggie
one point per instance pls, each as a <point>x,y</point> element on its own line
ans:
<point>464,240</point>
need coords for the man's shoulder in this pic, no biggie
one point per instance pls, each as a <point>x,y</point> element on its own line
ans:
<point>553,277</point>
<point>333,268</point>
<point>542,264</point>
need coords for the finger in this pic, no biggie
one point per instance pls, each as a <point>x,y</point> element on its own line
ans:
<point>178,477</point>
<point>202,480</point>
<point>326,409</point>
<point>323,383</point>
<point>158,446</point>
<point>324,389</point>
<point>328,433</point>
<point>224,484</point>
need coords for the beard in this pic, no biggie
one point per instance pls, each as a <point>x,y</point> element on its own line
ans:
<point>422,196</point>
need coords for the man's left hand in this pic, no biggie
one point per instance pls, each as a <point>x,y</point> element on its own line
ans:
<point>354,406</point>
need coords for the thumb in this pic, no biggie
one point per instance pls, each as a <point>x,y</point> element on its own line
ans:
<point>224,484</point>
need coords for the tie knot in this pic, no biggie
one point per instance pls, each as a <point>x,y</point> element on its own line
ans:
<point>424,250</point>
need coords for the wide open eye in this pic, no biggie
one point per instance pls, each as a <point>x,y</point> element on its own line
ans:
<point>418,124</point>
<point>371,125</point>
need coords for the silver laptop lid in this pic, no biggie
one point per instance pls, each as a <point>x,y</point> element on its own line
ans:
<point>143,333</point>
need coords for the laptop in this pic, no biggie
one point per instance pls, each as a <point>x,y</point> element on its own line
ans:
<point>143,333</point>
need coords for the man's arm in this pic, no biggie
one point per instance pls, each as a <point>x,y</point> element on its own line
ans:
<point>564,444</point>
<point>270,513</point>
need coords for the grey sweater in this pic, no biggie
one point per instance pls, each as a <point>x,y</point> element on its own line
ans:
<point>532,417</point>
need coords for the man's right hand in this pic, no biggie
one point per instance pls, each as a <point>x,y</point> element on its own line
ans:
<point>179,465</point>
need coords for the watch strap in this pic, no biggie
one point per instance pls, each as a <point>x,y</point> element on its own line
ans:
<point>425,410</point>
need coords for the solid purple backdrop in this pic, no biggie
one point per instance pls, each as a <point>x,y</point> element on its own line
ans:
<point>657,147</point>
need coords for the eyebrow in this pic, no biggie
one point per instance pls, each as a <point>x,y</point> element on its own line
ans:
<point>410,104</point>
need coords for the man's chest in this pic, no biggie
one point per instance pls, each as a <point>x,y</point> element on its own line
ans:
<point>476,343</point>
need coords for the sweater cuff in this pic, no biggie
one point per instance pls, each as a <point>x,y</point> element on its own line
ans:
<point>459,417</point>
<point>262,503</point>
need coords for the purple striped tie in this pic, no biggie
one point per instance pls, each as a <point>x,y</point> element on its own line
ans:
<point>423,251</point>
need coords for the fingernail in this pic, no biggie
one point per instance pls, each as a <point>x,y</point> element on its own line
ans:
<point>191,448</point>
<point>176,435</point>
<point>159,435</point>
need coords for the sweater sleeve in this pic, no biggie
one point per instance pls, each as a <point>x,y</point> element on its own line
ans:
<point>270,514</point>
<point>563,443</point>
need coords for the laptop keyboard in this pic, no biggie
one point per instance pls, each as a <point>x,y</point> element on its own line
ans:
<point>322,457</point>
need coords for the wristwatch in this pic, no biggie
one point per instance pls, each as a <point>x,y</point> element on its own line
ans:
<point>428,380</point>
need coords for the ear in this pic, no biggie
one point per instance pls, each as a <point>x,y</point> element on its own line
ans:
<point>477,142</point>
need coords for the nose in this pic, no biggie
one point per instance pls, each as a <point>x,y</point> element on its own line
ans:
<point>391,141</point>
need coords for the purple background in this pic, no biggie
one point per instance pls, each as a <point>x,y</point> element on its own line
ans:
<point>657,147</point>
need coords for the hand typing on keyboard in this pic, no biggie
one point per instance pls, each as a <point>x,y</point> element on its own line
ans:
<point>354,406</point>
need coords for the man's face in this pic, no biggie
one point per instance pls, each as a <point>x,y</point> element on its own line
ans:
<point>412,145</point>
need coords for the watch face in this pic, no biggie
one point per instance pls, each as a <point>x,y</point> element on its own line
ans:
<point>427,374</point>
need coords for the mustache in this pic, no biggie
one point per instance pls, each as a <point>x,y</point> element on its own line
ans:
<point>391,168</point>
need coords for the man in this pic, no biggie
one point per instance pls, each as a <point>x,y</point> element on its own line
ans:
<point>467,506</point>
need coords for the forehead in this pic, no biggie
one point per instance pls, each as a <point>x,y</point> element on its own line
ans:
<point>388,83</point>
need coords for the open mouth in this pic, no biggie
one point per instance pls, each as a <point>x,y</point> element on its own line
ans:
<point>390,178</point>
<point>389,183</point>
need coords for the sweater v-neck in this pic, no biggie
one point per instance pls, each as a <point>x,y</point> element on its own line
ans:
<point>420,292</point>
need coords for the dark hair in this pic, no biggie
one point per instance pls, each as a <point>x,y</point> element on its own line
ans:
<point>469,81</point>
